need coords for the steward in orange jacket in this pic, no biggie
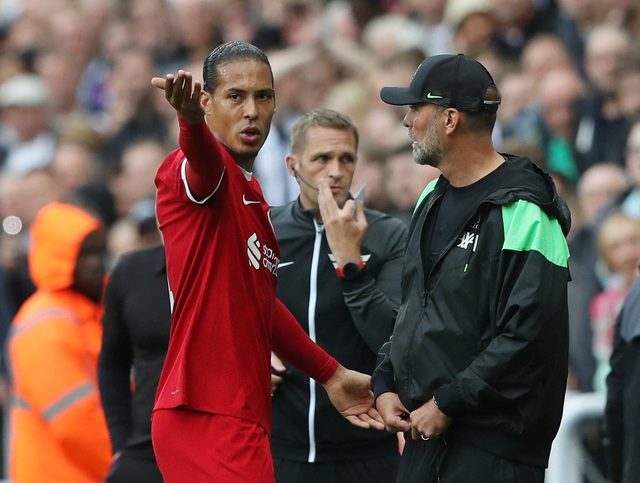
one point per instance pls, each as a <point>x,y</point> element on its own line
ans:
<point>58,431</point>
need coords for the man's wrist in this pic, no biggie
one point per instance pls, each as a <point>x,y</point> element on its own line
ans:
<point>350,270</point>
<point>184,122</point>
<point>335,375</point>
<point>450,401</point>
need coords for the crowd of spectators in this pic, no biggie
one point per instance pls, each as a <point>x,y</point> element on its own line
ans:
<point>81,122</point>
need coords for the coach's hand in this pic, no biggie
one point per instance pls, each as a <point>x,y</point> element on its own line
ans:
<point>393,413</point>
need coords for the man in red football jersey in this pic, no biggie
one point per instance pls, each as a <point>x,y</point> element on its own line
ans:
<point>212,415</point>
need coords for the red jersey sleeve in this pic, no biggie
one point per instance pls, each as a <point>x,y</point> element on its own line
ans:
<point>205,165</point>
<point>292,343</point>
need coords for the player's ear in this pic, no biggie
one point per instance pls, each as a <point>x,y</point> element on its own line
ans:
<point>205,100</point>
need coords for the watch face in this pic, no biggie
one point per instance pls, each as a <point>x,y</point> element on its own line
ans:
<point>351,270</point>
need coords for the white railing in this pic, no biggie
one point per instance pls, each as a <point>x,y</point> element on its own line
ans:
<point>567,461</point>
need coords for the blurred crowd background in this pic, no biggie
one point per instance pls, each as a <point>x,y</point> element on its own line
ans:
<point>80,121</point>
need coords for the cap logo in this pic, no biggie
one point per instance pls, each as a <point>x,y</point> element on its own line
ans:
<point>433,96</point>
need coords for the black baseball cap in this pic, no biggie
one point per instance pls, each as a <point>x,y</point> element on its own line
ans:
<point>448,80</point>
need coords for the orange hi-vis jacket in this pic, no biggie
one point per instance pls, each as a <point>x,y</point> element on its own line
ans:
<point>58,432</point>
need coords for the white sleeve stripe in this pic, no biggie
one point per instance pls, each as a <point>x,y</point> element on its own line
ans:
<point>183,174</point>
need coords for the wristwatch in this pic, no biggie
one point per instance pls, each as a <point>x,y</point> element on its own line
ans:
<point>350,270</point>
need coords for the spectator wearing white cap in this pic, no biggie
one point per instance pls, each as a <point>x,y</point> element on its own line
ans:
<point>472,24</point>
<point>27,141</point>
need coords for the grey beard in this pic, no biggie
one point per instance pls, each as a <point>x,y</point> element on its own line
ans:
<point>426,155</point>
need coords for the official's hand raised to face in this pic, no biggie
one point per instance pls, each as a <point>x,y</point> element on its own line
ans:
<point>345,231</point>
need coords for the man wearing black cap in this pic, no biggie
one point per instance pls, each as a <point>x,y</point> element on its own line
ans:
<point>475,372</point>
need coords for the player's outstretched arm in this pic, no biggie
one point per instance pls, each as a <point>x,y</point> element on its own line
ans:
<point>204,167</point>
<point>350,392</point>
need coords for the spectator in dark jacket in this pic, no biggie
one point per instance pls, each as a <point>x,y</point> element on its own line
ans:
<point>622,426</point>
<point>136,324</point>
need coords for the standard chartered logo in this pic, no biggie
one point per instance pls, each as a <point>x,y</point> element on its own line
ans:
<point>253,251</point>
<point>261,255</point>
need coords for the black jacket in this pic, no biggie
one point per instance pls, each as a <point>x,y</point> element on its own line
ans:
<point>137,322</point>
<point>622,424</point>
<point>486,331</point>
<point>349,319</point>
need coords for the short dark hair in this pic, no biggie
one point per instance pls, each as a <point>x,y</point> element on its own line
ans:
<point>229,52</point>
<point>320,117</point>
<point>483,121</point>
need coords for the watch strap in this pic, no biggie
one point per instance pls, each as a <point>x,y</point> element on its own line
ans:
<point>340,270</point>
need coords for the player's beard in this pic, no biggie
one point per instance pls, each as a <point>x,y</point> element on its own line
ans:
<point>430,151</point>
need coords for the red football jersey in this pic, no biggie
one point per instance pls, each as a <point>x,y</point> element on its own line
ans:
<point>222,257</point>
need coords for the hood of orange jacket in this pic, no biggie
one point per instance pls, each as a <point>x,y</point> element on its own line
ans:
<point>57,234</point>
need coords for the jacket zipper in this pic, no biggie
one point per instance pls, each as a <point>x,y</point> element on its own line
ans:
<point>475,228</point>
<point>311,317</point>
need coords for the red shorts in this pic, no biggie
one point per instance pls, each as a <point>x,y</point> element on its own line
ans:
<point>210,448</point>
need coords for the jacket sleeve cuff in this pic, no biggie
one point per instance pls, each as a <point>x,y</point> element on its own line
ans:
<point>380,388</point>
<point>383,378</point>
<point>356,284</point>
<point>449,399</point>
